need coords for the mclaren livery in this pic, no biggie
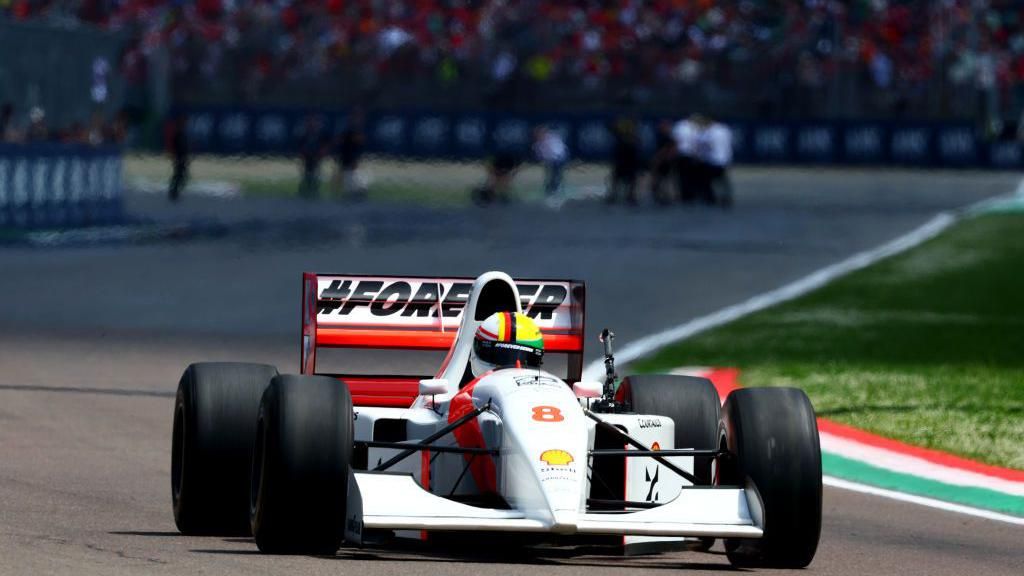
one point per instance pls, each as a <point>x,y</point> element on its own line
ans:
<point>311,461</point>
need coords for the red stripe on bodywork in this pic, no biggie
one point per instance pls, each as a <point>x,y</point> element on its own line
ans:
<point>383,338</point>
<point>382,391</point>
<point>469,435</point>
<point>422,339</point>
<point>382,401</point>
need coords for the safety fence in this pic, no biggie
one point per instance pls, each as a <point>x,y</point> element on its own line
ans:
<point>468,136</point>
<point>59,185</point>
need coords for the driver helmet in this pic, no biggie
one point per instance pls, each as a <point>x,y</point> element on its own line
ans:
<point>506,340</point>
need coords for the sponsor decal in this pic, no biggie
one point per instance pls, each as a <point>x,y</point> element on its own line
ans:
<point>515,347</point>
<point>430,133</point>
<point>559,466</point>
<point>655,446</point>
<point>771,141</point>
<point>469,132</point>
<point>909,143</point>
<point>548,414</point>
<point>956,144</point>
<point>558,474</point>
<point>390,131</point>
<point>234,128</point>
<point>538,381</point>
<point>864,142</point>
<point>392,299</point>
<point>271,129</point>
<point>556,458</point>
<point>649,423</point>
<point>815,141</point>
<point>653,480</point>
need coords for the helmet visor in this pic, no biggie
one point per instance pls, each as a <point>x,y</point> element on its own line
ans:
<point>503,354</point>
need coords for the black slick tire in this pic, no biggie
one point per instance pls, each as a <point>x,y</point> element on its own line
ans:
<point>693,405</point>
<point>301,464</point>
<point>772,439</point>
<point>211,448</point>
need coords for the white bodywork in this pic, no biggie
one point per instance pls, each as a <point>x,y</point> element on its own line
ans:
<point>543,438</point>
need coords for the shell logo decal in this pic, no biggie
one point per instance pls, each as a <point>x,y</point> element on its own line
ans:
<point>556,457</point>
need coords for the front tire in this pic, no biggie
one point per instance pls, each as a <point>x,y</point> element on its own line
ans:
<point>691,402</point>
<point>211,447</point>
<point>301,463</point>
<point>693,405</point>
<point>772,439</point>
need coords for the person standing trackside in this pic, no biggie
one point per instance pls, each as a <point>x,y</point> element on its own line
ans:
<point>718,161</point>
<point>663,161</point>
<point>7,130</point>
<point>177,146</point>
<point>685,135</point>
<point>350,151</point>
<point>311,150</point>
<point>501,168</point>
<point>551,151</point>
<point>625,161</point>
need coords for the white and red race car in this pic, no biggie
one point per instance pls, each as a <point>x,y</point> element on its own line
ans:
<point>309,461</point>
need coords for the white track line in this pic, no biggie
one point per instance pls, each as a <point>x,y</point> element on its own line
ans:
<point>815,280</point>
<point>920,500</point>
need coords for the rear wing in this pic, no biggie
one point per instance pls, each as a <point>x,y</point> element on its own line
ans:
<point>424,313</point>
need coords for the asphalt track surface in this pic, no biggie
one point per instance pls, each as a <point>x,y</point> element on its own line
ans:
<point>94,338</point>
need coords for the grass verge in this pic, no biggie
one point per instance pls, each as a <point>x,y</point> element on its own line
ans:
<point>926,347</point>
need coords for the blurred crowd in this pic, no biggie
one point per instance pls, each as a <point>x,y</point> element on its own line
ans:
<point>900,47</point>
<point>31,126</point>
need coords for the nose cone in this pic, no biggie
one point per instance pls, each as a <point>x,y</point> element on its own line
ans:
<point>544,446</point>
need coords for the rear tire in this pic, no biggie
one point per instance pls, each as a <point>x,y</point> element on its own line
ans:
<point>691,402</point>
<point>772,439</point>
<point>301,462</point>
<point>211,447</point>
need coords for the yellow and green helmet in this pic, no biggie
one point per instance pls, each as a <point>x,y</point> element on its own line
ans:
<point>507,339</point>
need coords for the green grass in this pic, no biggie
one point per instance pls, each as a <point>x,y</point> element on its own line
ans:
<point>387,191</point>
<point>926,347</point>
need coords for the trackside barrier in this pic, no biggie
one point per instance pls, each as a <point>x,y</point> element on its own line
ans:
<point>59,185</point>
<point>474,135</point>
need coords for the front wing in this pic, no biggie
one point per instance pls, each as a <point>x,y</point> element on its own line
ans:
<point>397,502</point>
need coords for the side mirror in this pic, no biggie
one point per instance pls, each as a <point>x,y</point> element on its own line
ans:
<point>433,386</point>
<point>586,389</point>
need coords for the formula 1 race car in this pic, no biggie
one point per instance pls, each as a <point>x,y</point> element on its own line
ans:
<point>307,462</point>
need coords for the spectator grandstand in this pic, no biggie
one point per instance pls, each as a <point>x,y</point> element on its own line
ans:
<point>812,58</point>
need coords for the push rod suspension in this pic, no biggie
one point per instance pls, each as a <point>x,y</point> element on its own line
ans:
<point>632,442</point>
<point>432,448</point>
<point>425,443</point>
<point>653,453</point>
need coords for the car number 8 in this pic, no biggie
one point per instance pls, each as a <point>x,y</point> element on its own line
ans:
<point>547,414</point>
